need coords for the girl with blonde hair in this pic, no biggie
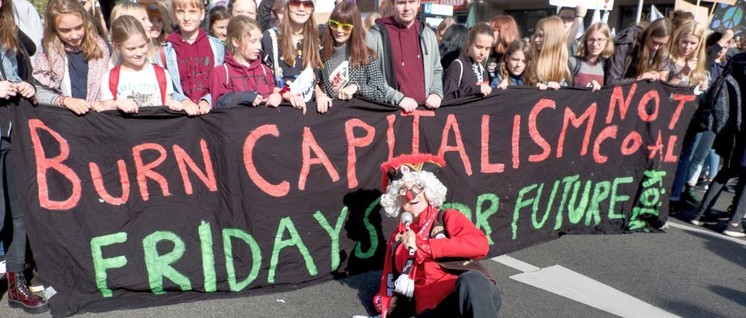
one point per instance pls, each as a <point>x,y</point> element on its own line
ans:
<point>72,60</point>
<point>243,79</point>
<point>587,67</point>
<point>549,68</point>
<point>688,56</point>
<point>134,82</point>
<point>140,13</point>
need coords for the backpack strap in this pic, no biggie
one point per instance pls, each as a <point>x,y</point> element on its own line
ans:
<point>162,55</point>
<point>574,62</point>
<point>227,79</point>
<point>114,80</point>
<point>461,74</point>
<point>160,75</point>
<point>275,55</point>
<point>455,266</point>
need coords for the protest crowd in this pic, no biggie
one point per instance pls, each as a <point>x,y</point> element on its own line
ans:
<point>194,57</point>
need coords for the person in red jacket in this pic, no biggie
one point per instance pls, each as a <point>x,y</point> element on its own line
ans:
<point>243,79</point>
<point>432,254</point>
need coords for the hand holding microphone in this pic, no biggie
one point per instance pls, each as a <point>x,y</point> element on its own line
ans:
<point>405,284</point>
<point>408,238</point>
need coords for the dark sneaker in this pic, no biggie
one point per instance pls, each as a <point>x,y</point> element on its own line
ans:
<point>723,216</point>
<point>691,196</point>
<point>674,207</point>
<point>734,230</point>
<point>705,219</point>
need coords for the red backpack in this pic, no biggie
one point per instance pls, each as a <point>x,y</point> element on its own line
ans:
<point>160,75</point>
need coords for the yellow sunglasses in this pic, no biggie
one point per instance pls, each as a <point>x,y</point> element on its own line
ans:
<point>336,25</point>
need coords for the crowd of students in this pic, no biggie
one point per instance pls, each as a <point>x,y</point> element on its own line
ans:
<point>191,59</point>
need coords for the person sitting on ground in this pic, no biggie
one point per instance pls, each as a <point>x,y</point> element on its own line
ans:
<point>432,255</point>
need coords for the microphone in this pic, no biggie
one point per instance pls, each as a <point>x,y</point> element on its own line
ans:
<point>406,218</point>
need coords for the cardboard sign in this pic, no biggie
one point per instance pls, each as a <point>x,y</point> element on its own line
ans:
<point>606,5</point>
<point>701,14</point>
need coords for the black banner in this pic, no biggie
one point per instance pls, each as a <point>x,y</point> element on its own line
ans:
<point>156,208</point>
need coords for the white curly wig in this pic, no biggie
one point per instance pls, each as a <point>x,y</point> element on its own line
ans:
<point>435,191</point>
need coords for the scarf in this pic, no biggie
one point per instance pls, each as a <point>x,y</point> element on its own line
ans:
<point>382,300</point>
<point>50,67</point>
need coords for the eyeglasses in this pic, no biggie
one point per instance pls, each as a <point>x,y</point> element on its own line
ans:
<point>296,4</point>
<point>417,188</point>
<point>336,25</point>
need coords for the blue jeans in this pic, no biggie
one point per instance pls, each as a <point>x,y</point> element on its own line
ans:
<point>691,139</point>
<point>701,152</point>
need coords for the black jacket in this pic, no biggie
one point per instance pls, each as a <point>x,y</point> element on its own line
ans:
<point>618,67</point>
<point>730,142</point>
<point>461,80</point>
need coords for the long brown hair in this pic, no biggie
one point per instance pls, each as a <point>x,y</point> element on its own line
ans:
<point>360,53</point>
<point>311,56</point>
<point>658,28</point>
<point>517,45</point>
<point>8,28</point>
<point>57,8</point>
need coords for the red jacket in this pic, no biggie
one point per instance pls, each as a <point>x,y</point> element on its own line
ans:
<point>256,77</point>
<point>432,283</point>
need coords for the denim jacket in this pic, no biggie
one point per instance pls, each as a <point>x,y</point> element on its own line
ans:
<point>10,65</point>
<point>172,66</point>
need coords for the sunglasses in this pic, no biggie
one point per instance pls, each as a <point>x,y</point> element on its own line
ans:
<point>295,4</point>
<point>336,25</point>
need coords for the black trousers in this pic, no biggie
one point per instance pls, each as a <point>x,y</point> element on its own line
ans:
<point>474,296</point>
<point>15,255</point>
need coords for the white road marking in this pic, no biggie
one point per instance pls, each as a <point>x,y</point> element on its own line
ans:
<point>572,285</point>
<point>515,263</point>
<point>721,236</point>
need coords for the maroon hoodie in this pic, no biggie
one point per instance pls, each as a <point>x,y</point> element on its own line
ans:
<point>256,77</point>
<point>407,57</point>
<point>195,61</point>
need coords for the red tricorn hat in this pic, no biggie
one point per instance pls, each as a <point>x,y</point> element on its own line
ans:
<point>397,167</point>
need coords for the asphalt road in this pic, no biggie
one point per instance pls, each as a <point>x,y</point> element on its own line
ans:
<point>684,272</point>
